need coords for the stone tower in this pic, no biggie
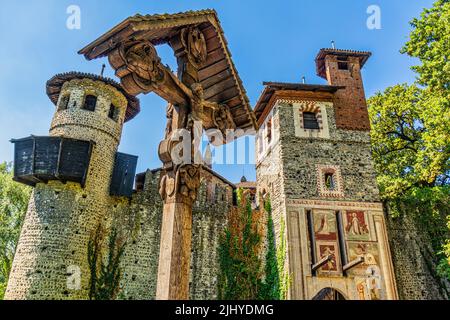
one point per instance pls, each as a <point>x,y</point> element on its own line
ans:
<point>71,171</point>
<point>314,161</point>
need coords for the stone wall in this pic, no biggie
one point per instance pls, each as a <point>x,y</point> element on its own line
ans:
<point>51,258</point>
<point>414,261</point>
<point>141,223</point>
<point>269,174</point>
<point>350,150</point>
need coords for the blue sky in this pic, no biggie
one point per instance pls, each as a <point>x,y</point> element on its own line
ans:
<point>269,40</point>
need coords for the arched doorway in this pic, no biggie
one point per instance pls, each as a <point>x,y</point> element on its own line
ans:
<point>329,294</point>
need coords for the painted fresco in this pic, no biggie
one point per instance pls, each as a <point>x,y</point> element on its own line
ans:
<point>368,275</point>
<point>370,287</point>
<point>356,225</point>
<point>329,248</point>
<point>326,235</point>
<point>325,225</point>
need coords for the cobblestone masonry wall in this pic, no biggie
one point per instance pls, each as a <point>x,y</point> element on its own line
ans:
<point>413,261</point>
<point>61,217</point>
<point>350,150</point>
<point>141,221</point>
<point>270,179</point>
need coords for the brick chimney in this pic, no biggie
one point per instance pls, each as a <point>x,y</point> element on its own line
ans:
<point>343,68</point>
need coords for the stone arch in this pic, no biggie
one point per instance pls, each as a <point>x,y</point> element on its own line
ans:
<point>329,294</point>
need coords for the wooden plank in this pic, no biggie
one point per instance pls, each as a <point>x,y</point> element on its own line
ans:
<point>224,95</point>
<point>241,120</point>
<point>234,102</point>
<point>212,44</point>
<point>219,87</point>
<point>214,69</point>
<point>209,32</point>
<point>208,82</point>
<point>353,264</point>
<point>105,46</point>
<point>321,262</point>
<point>239,112</point>
<point>213,57</point>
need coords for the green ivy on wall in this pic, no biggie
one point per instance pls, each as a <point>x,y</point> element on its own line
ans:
<point>105,271</point>
<point>276,282</point>
<point>242,273</point>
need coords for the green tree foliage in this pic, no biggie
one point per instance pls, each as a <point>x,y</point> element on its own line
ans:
<point>106,273</point>
<point>13,206</point>
<point>411,132</point>
<point>429,41</point>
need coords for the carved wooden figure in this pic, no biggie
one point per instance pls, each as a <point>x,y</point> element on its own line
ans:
<point>206,90</point>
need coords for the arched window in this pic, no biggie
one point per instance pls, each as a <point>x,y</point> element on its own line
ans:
<point>90,102</point>
<point>64,102</point>
<point>113,112</point>
<point>330,180</point>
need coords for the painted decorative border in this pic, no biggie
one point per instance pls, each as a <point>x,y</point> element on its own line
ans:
<point>376,206</point>
<point>322,189</point>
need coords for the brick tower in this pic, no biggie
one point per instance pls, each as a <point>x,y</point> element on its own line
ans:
<point>71,171</point>
<point>314,160</point>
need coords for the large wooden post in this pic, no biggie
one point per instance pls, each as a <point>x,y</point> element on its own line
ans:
<point>134,58</point>
<point>175,250</point>
<point>180,180</point>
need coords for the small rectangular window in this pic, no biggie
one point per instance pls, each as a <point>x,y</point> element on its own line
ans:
<point>310,121</point>
<point>90,103</point>
<point>342,63</point>
<point>113,112</point>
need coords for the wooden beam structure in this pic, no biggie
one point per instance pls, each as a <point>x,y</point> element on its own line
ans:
<point>206,89</point>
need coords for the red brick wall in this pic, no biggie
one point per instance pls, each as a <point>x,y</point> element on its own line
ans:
<point>350,103</point>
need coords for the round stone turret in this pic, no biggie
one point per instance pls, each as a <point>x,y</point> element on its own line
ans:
<point>63,215</point>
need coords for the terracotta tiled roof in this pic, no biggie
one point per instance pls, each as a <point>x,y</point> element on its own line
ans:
<point>54,86</point>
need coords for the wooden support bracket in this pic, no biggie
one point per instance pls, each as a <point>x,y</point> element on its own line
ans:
<point>353,264</point>
<point>321,262</point>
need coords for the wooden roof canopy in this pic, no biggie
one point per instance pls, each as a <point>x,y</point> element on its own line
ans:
<point>55,84</point>
<point>217,75</point>
<point>266,100</point>
<point>320,59</point>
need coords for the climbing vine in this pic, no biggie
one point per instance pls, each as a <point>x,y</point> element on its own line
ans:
<point>105,271</point>
<point>243,274</point>
<point>276,281</point>
<point>240,246</point>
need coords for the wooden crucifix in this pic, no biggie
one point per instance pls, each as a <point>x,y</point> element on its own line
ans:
<point>205,93</point>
